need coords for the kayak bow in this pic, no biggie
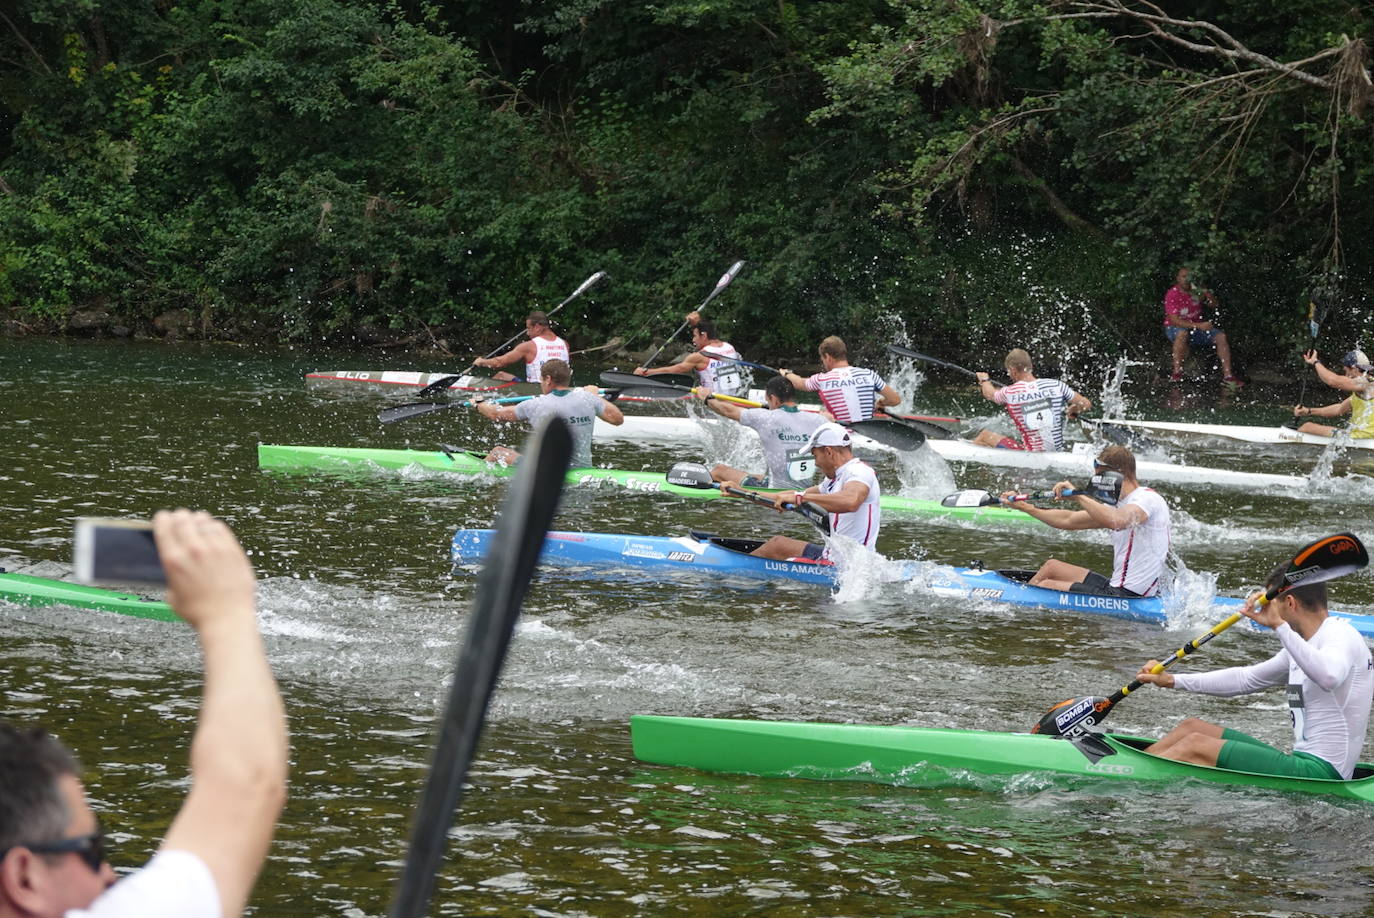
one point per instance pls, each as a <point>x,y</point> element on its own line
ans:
<point>924,756</point>
<point>40,591</point>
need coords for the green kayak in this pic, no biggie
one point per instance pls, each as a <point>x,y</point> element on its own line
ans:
<point>900,755</point>
<point>40,591</point>
<point>462,462</point>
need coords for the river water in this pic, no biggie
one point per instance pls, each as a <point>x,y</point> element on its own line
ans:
<point>362,615</point>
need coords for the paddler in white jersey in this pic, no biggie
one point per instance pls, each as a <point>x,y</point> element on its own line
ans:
<point>1038,407</point>
<point>1140,533</point>
<point>1359,404</point>
<point>783,431</point>
<point>721,376</point>
<point>579,408</point>
<point>542,345</point>
<point>1325,665</point>
<point>849,494</point>
<point>848,393</point>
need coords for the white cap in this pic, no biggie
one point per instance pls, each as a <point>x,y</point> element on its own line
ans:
<point>828,434</point>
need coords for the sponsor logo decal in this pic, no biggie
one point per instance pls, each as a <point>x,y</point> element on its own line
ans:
<point>1109,769</point>
<point>642,551</point>
<point>1082,709</point>
<point>985,593</point>
<point>681,556</point>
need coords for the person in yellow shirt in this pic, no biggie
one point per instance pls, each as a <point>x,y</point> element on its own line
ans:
<point>1354,379</point>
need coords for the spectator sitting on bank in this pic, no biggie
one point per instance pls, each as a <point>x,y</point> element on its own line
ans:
<point>1185,326</point>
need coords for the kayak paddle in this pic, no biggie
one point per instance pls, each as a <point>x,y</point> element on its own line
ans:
<point>506,571</point>
<point>976,498</point>
<point>696,475</point>
<point>909,354</point>
<point>1325,559</point>
<point>420,409</point>
<point>746,363</point>
<point>720,286</point>
<point>1105,487</point>
<point>441,384</point>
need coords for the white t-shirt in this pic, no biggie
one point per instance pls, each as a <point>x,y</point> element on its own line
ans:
<point>174,884</point>
<point>783,433</point>
<point>577,407</point>
<point>1139,551</point>
<point>861,524</point>
<point>1330,683</point>
<point>554,348</point>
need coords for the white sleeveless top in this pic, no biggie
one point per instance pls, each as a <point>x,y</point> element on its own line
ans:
<point>544,349</point>
<point>1139,552</point>
<point>721,376</point>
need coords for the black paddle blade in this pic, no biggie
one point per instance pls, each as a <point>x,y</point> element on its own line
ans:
<point>970,498</point>
<point>419,409</point>
<point>691,475</point>
<point>1074,717</point>
<point>525,517</point>
<point>439,385</point>
<point>889,432</point>
<point>817,516</point>
<point>1325,559</point>
<point>644,386</point>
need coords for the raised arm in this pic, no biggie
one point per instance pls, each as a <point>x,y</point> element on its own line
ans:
<point>521,353</point>
<point>239,753</point>
<point>721,407</point>
<point>686,365</point>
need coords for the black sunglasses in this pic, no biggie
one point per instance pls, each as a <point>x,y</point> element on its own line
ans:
<point>90,848</point>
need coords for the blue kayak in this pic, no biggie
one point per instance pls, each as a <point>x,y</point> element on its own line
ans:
<point>726,559</point>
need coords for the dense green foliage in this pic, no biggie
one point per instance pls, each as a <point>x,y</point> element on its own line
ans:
<point>968,172</point>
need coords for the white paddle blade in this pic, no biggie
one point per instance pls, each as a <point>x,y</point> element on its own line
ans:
<point>968,499</point>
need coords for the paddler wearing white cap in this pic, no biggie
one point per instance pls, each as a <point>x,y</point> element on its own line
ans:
<point>1354,379</point>
<point>849,494</point>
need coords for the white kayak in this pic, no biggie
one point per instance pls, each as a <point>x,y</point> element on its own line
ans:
<point>1241,432</point>
<point>414,380</point>
<point>644,428</point>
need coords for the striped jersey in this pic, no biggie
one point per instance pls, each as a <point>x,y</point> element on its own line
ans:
<point>848,393</point>
<point>554,348</point>
<point>1139,551</point>
<point>1038,408</point>
<point>862,524</point>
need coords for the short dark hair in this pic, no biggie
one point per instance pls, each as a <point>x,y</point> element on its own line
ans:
<point>32,808</point>
<point>781,389</point>
<point>1311,596</point>
<point>538,318</point>
<point>706,327</point>
<point>556,371</point>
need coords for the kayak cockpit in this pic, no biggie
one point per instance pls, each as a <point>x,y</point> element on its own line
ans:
<point>743,546</point>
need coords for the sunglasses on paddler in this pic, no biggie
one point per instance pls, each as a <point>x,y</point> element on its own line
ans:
<point>90,848</point>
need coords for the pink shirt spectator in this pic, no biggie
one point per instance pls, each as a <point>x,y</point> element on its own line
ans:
<point>1178,302</point>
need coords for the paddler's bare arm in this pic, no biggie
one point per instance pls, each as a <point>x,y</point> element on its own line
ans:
<point>889,397</point>
<point>846,500</point>
<point>1333,379</point>
<point>1059,519</point>
<point>985,386</point>
<point>688,363</point>
<point>607,411</point>
<point>721,407</point>
<point>798,382</point>
<point>497,412</point>
<point>521,353</point>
